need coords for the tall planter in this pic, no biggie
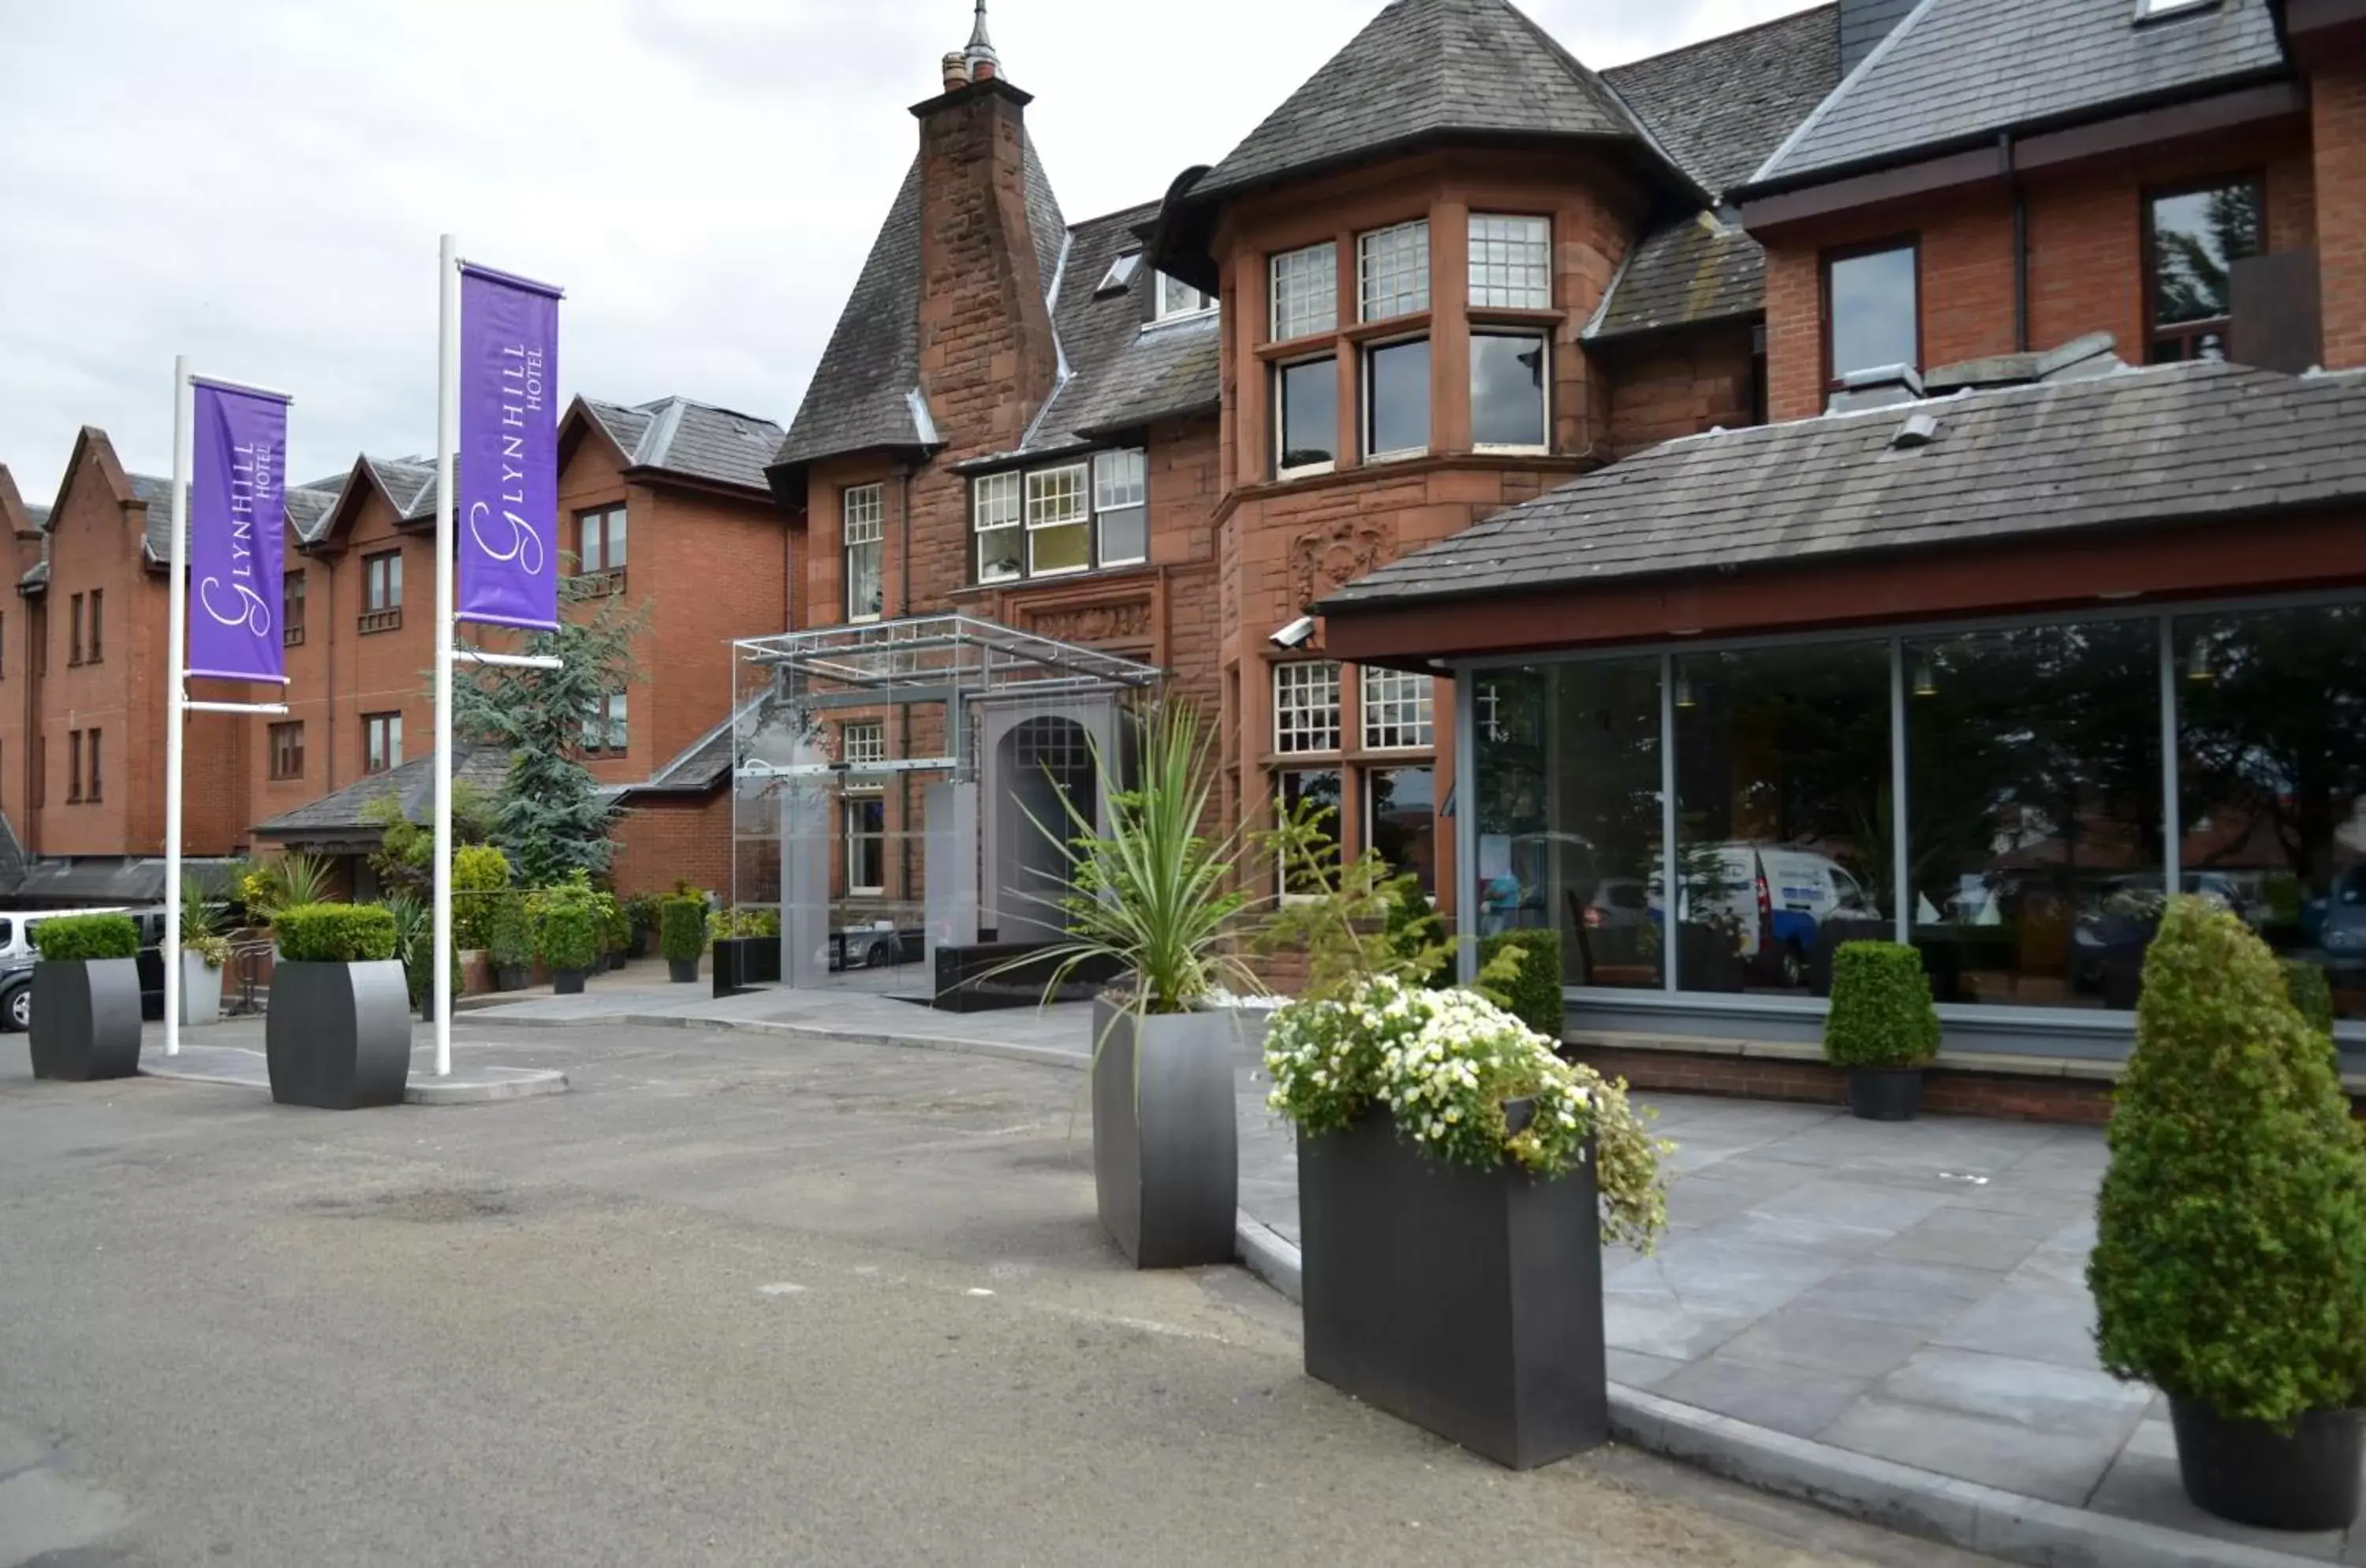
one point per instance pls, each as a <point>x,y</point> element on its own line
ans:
<point>85,1019</point>
<point>338,1035</point>
<point>2247,1472</point>
<point>201,988</point>
<point>1467,1302</point>
<point>1165,1136</point>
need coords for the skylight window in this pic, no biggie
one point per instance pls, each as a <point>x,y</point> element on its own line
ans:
<point>2148,9</point>
<point>1120,275</point>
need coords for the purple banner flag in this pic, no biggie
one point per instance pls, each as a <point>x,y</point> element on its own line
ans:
<point>237,523</point>
<point>506,494</point>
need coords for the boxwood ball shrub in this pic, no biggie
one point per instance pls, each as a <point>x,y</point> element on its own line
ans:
<point>335,933</point>
<point>74,939</point>
<point>2230,1266</point>
<point>1881,1013</point>
<point>1532,994</point>
<point>681,928</point>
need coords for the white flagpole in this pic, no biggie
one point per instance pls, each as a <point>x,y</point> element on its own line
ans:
<point>177,683</point>
<point>447,417</point>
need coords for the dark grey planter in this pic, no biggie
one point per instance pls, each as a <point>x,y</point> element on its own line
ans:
<point>338,1035</point>
<point>1885,1094</point>
<point>2249,1472</point>
<point>682,970</point>
<point>616,959</point>
<point>1165,1136</point>
<point>86,1019</point>
<point>510,976</point>
<point>1466,1302</point>
<point>568,982</point>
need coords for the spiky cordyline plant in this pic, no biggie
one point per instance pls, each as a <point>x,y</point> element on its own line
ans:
<point>1154,893</point>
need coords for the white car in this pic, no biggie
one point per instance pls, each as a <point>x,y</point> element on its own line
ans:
<point>17,957</point>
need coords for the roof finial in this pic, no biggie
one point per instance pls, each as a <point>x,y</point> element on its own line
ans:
<point>981,48</point>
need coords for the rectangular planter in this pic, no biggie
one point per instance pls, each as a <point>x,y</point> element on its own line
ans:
<point>1466,1302</point>
<point>338,1035</point>
<point>86,1019</point>
<point>742,962</point>
<point>1165,1136</point>
<point>201,987</point>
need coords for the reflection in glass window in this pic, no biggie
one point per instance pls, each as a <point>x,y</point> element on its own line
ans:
<point>1569,813</point>
<point>1783,814</point>
<point>1059,522</point>
<point>2197,235</point>
<point>1398,710</point>
<point>2272,757</point>
<point>1002,534</point>
<point>2034,811</point>
<point>1396,399</point>
<point>1306,415</point>
<point>1317,788</point>
<point>1306,706</point>
<point>1507,389</point>
<point>1870,304</point>
<point>1401,821</point>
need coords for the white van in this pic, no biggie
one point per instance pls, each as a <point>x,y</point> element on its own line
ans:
<point>1778,898</point>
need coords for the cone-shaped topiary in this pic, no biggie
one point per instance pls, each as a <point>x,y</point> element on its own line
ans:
<point>2230,1260</point>
<point>1881,1014</point>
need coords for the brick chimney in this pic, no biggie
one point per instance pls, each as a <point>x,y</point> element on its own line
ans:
<point>987,357</point>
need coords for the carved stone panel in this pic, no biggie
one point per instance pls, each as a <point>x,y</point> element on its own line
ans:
<point>1334,555</point>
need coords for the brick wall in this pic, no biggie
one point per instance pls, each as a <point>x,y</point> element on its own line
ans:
<point>660,843</point>
<point>2338,107</point>
<point>1677,384</point>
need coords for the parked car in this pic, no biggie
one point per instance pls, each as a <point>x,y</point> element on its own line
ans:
<point>17,957</point>
<point>875,947</point>
<point>1777,899</point>
<point>2342,929</point>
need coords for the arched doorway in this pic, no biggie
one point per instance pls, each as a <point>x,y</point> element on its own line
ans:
<point>1040,760</point>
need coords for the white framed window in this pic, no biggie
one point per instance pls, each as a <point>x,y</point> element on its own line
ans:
<point>863,534</point>
<point>1392,270</point>
<point>1511,390</point>
<point>605,728</point>
<point>1398,711</point>
<point>1305,291</point>
<point>861,742</point>
<point>1511,263</point>
<point>600,535</point>
<point>1122,505</point>
<point>1306,416</point>
<point>995,512</point>
<point>1176,298</point>
<point>1059,522</point>
<point>1306,706</point>
<point>865,814</point>
<point>1121,275</point>
<point>1395,386</point>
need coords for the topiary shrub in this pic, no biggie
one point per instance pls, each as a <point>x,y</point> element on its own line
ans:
<point>1531,990</point>
<point>509,933</point>
<point>1881,1013</point>
<point>2229,1268</point>
<point>79,938</point>
<point>335,933</point>
<point>682,929</point>
<point>2311,994</point>
<point>567,925</point>
<point>481,880</point>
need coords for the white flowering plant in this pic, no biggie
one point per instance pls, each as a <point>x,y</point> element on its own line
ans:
<point>1446,1065</point>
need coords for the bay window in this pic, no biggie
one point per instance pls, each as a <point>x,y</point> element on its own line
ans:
<point>1393,271</point>
<point>1306,415</point>
<point>1511,263</point>
<point>1508,396</point>
<point>1396,399</point>
<point>1306,291</point>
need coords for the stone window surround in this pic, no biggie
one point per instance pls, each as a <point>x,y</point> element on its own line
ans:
<point>1450,315</point>
<point>999,503</point>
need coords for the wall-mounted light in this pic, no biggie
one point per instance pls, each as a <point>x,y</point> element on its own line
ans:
<point>1926,678</point>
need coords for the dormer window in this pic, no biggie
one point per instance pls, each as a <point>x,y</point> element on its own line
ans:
<point>1121,275</point>
<point>1177,299</point>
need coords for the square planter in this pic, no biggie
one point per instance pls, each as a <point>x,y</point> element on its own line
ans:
<point>201,987</point>
<point>742,962</point>
<point>86,1020</point>
<point>1165,1136</point>
<point>338,1035</point>
<point>568,982</point>
<point>682,970</point>
<point>1466,1302</point>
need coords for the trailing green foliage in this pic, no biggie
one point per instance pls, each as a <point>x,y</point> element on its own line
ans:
<point>681,928</point>
<point>78,939</point>
<point>1528,988</point>
<point>335,933</point>
<point>481,881</point>
<point>1881,1013</point>
<point>2311,994</point>
<point>2230,1266</point>
<point>567,925</point>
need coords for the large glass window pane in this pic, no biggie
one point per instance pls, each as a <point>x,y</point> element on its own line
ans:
<point>1396,398</point>
<point>1059,522</point>
<point>1120,495</point>
<point>1872,308</point>
<point>1319,789</point>
<point>1401,821</point>
<point>1569,801</point>
<point>1507,388</point>
<point>1783,813</point>
<point>2034,805</point>
<point>2272,772</point>
<point>2197,235</point>
<point>1307,416</point>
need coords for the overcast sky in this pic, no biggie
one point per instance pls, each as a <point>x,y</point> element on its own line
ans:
<point>259,183</point>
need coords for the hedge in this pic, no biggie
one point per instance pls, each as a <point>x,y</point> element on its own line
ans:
<point>2311,994</point>
<point>76,939</point>
<point>509,934</point>
<point>335,933</point>
<point>1881,1014</point>
<point>567,929</point>
<point>682,929</point>
<point>1533,993</point>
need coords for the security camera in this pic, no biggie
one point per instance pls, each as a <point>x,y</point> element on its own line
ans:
<point>1298,634</point>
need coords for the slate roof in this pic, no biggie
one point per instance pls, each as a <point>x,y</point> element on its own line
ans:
<point>704,764</point>
<point>309,506</point>
<point>1125,371</point>
<point>1957,73</point>
<point>343,813</point>
<point>1685,273</point>
<point>675,435</point>
<point>1423,69</point>
<point>865,390</point>
<point>156,495</point>
<point>1722,106</point>
<point>39,515</point>
<point>2186,443</point>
